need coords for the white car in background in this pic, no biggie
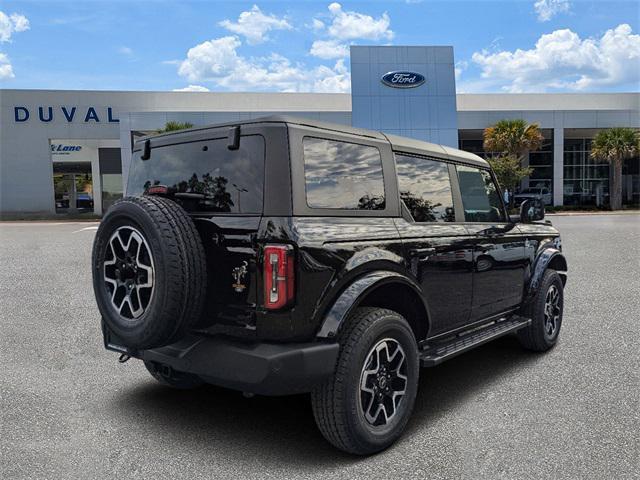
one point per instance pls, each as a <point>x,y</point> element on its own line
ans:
<point>542,193</point>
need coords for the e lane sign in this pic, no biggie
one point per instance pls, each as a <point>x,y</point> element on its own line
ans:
<point>65,113</point>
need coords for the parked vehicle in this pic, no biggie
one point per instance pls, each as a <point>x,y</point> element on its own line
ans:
<point>282,255</point>
<point>533,193</point>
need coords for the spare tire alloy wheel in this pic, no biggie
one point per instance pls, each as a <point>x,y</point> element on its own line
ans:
<point>383,382</point>
<point>128,272</point>
<point>149,272</point>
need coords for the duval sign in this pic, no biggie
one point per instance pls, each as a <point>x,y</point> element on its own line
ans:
<point>69,114</point>
<point>403,79</point>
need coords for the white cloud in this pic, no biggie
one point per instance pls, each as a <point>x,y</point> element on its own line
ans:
<point>192,88</point>
<point>328,49</point>
<point>547,9</point>
<point>218,61</point>
<point>561,60</point>
<point>210,59</point>
<point>332,80</point>
<point>317,25</point>
<point>346,25</point>
<point>6,70</point>
<point>254,25</point>
<point>460,67</point>
<point>10,24</point>
<point>127,51</point>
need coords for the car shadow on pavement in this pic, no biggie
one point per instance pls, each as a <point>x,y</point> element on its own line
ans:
<point>281,430</point>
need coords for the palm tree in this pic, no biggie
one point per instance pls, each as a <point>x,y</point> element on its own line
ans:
<point>514,138</point>
<point>511,141</point>
<point>173,126</point>
<point>614,146</point>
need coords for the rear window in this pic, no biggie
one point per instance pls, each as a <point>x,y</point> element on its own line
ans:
<point>342,175</point>
<point>206,175</point>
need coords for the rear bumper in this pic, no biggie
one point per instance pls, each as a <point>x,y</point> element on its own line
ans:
<point>262,368</point>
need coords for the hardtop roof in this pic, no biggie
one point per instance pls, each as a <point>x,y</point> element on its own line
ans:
<point>398,143</point>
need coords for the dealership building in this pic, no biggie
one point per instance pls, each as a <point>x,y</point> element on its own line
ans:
<point>67,152</point>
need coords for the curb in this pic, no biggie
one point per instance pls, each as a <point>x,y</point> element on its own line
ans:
<point>569,214</point>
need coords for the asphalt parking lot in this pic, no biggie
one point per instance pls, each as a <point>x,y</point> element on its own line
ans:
<point>69,410</point>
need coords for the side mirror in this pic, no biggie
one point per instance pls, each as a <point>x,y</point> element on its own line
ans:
<point>532,210</point>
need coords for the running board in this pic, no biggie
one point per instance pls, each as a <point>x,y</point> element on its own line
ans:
<point>444,350</point>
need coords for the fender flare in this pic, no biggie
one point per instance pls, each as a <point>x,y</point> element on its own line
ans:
<point>351,297</point>
<point>544,258</point>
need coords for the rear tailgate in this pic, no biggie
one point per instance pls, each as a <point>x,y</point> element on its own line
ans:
<point>223,190</point>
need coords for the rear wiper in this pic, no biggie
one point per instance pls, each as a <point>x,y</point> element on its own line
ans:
<point>195,196</point>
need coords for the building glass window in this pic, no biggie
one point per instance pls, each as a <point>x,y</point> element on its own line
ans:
<point>631,182</point>
<point>343,175</point>
<point>586,181</point>
<point>541,160</point>
<point>110,176</point>
<point>425,188</point>
<point>73,187</point>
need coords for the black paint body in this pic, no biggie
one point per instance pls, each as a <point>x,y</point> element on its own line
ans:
<point>443,277</point>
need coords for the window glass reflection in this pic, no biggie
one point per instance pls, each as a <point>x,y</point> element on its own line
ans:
<point>342,175</point>
<point>480,197</point>
<point>425,188</point>
<point>205,176</point>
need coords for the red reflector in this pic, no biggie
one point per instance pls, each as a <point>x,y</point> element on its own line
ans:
<point>279,276</point>
<point>157,190</point>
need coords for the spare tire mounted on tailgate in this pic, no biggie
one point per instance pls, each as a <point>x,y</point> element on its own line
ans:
<point>149,271</point>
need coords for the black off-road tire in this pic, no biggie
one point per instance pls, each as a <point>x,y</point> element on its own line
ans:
<point>180,274</point>
<point>172,378</point>
<point>336,403</point>
<point>536,336</point>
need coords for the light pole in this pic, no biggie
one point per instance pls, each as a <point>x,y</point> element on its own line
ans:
<point>239,189</point>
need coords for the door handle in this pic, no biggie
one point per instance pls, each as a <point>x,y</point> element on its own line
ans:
<point>422,252</point>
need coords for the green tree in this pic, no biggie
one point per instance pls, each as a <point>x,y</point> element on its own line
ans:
<point>515,138</point>
<point>509,142</point>
<point>175,126</point>
<point>509,170</point>
<point>422,210</point>
<point>614,146</point>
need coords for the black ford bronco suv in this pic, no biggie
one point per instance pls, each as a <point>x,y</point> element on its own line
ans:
<point>281,255</point>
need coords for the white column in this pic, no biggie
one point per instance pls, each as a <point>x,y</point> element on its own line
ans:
<point>558,166</point>
<point>97,183</point>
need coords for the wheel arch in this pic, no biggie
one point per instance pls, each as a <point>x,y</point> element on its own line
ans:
<point>549,258</point>
<point>382,289</point>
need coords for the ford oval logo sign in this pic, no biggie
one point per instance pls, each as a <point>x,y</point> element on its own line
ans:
<point>401,79</point>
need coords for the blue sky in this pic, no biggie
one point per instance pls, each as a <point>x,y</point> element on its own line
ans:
<point>500,46</point>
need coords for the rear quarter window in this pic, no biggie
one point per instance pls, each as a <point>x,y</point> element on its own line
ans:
<point>425,188</point>
<point>342,175</point>
<point>205,175</point>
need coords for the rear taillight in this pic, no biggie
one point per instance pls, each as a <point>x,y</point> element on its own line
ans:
<point>279,276</point>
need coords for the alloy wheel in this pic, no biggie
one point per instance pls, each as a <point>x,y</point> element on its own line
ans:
<point>128,272</point>
<point>552,311</point>
<point>383,382</point>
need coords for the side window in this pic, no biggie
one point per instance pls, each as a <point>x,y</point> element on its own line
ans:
<point>480,197</point>
<point>342,175</point>
<point>425,188</point>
